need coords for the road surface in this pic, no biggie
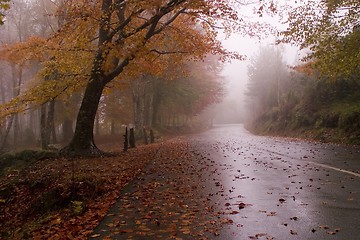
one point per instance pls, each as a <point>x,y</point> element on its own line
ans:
<point>253,187</point>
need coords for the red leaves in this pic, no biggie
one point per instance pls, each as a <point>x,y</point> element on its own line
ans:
<point>97,184</point>
<point>170,200</point>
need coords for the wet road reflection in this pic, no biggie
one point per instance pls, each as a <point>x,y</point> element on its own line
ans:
<point>289,189</point>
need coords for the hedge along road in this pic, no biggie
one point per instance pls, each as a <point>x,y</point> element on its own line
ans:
<point>229,184</point>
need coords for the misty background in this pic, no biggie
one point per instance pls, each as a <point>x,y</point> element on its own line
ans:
<point>233,108</point>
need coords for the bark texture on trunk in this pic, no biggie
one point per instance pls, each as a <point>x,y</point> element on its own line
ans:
<point>82,142</point>
<point>115,32</point>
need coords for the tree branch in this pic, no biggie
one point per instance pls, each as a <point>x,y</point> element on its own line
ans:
<point>168,52</point>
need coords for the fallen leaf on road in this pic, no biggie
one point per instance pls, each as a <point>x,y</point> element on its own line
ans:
<point>242,205</point>
<point>260,235</point>
<point>271,214</point>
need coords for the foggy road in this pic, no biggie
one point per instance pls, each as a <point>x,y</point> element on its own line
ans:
<point>231,184</point>
<point>294,189</point>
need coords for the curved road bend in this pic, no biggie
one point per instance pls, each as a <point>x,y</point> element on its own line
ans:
<point>294,189</point>
<point>276,188</point>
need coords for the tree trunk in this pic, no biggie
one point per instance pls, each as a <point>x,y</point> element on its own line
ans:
<point>145,136</point>
<point>16,130</point>
<point>138,92</point>
<point>17,81</point>
<point>43,127</point>
<point>51,135</point>
<point>47,125</point>
<point>152,138</point>
<point>97,126</point>
<point>6,134</point>
<point>83,139</point>
<point>2,121</point>
<point>67,130</point>
<point>150,110</point>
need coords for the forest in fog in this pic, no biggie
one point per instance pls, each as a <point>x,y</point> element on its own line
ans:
<point>300,101</point>
<point>77,75</point>
<point>41,95</point>
<point>68,72</point>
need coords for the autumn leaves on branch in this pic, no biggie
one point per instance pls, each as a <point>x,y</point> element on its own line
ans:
<point>94,43</point>
<point>98,42</point>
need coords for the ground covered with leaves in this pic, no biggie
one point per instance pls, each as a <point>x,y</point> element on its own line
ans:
<point>155,191</point>
<point>170,199</point>
<point>60,198</point>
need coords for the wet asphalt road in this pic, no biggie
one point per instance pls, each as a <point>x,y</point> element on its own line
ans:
<point>293,189</point>
<point>269,188</point>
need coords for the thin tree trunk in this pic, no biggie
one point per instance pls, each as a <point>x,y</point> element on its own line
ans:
<point>149,117</point>
<point>43,127</point>
<point>50,126</point>
<point>2,121</point>
<point>17,81</point>
<point>53,135</point>
<point>6,134</point>
<point>145,136</point>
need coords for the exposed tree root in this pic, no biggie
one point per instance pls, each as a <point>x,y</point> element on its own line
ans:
<point>74,150</point>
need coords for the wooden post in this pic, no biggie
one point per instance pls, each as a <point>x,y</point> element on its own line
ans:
<point>126,140</point>
<point>152,139</point>
<point>132,138</point>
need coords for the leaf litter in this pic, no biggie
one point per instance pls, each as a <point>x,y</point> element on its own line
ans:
<point>66,198</point>
<point>167,200</point>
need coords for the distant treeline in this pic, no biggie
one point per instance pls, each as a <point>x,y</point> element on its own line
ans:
<point>298,101</point>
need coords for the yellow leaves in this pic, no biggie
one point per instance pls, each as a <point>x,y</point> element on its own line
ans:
<point>4,5</point>
<point>22,52</point>
<point>67,57</point>
<point>307,69</point>
<point>39,93</point>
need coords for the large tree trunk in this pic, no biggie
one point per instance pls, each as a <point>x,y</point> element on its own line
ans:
<point>83,139</point>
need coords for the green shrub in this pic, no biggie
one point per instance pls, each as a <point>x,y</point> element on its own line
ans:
<point>349,121</point>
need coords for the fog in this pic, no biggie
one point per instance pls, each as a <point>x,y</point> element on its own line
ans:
<point>232,108</point>
<point>144,99</point>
